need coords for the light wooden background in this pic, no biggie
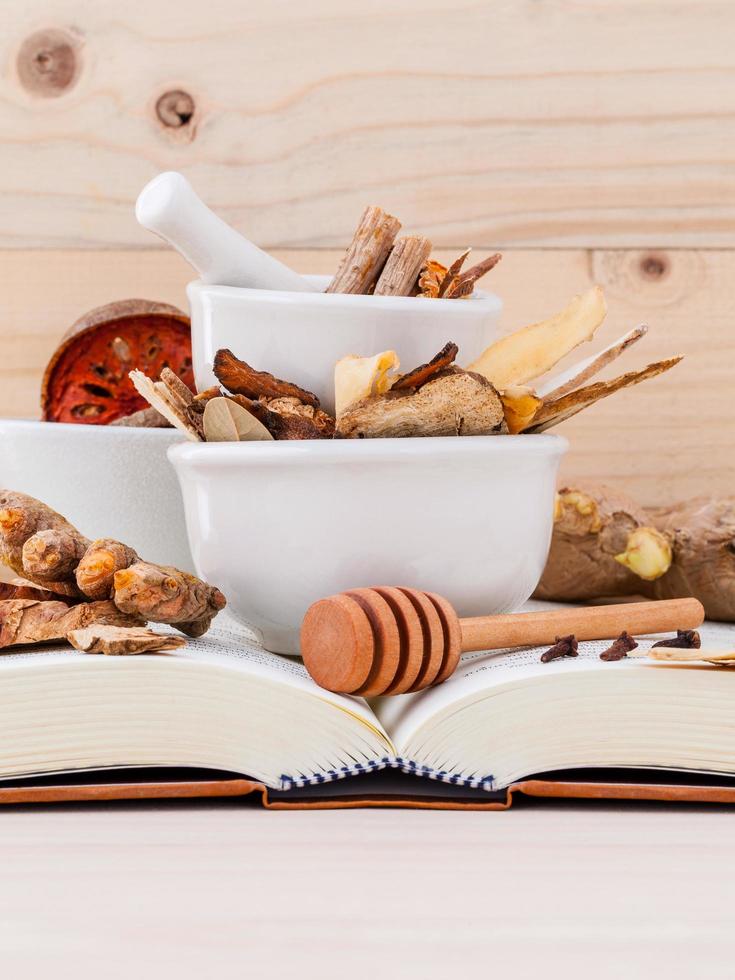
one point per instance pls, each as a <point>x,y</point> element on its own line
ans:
<point>590,140</point>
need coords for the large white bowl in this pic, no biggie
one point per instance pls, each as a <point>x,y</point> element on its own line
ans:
<point>278,525</point>
<point>300,336</point>
<point>109,481</point>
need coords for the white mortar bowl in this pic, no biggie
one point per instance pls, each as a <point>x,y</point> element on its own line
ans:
<point>110,481</point>
<point>278,525</point>
<point>300,336</point>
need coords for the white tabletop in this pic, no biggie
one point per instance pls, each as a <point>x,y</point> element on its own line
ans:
<point>547,889</point>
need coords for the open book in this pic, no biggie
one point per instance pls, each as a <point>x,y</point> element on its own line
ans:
<point>223,703</point>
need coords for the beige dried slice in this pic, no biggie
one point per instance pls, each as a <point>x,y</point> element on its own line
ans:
<point>576,401</point>
<point>528,353</point>
<point>121,641</point>
<point>157,394</point>
<point>576,375</point>
<point>226,421</point>
<point>464,284</point>
<point>357,377</point>
<point>679,654</point>
<point>453,403</point>
<point>520,404</point>
<point>180,393</point>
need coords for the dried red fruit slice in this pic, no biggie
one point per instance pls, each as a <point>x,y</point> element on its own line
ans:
<point>87,379</point>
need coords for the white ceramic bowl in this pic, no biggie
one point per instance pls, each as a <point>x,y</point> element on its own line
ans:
<point>110,481</point>
<point>300,336</point>
<point>278,525</point>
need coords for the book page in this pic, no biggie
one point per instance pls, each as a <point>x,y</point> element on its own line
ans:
<point>227,645</point>
<point>480,671</point>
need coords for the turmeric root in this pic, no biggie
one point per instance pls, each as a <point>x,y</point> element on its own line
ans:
<point>166,595</point>
<point>22,517</point>
<point>605,545</point>
<point>48,550</point>
<point>24,621</point>
<point>95,572</point>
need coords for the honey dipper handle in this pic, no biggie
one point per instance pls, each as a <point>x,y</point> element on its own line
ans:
<point>586,622</point>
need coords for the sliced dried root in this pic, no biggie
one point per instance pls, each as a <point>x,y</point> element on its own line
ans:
<point>403,266</point>
<point>554,412</point>
<point>528,353</point>
<point>452,403</point>
<point>27,621</point>
<point>158,395</point>
<point>575,376</point>
<point>118,640</point>
<point>145,418</point>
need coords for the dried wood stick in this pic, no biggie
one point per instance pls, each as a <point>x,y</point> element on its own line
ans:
<point>401,271</point>
<point>366,254</point>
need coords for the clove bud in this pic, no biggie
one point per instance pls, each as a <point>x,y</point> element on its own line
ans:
<point>619,648</point>
<point>565,646</point>
<point>686,639</point>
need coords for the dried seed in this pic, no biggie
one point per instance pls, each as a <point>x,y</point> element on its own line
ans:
<point>565,646</point>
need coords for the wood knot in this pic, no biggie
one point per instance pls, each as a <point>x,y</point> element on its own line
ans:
<point>48,62</point>
<point>176,110</point>
<point>653,266</point>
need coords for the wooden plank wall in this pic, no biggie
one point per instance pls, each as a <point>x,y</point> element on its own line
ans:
<point>590,140</point>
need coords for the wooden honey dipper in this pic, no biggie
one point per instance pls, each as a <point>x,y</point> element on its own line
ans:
<point>388,640</point>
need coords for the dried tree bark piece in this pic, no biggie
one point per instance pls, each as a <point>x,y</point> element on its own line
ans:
<point>24,621</point>
<point>146,418</point>
<point>157,394</point>
<point>402,268</point>
<point>528,353</point>
<point>420,375</point>
<point>452,403</point>
<point>366,254</point>
<point>552,413</point>
<point>241,379</point>
<point>225,420</point>
<point>179,391</point>
<point>118,640</point>
<point>463,285</point>
<point>21,517</point>
<point>95,572</point>
<point>452,272</point>
<point>166,595</point>
<point>22,589</point>
<point>575,376</point>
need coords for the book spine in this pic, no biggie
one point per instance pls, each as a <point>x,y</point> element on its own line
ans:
<point>387,762</point>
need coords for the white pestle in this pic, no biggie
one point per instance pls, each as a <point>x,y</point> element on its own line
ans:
<point>170,208</point>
